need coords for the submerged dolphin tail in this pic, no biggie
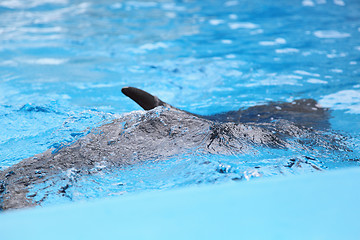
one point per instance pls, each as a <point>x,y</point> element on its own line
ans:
<point>144,99</point>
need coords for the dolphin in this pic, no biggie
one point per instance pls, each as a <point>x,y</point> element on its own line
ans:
<point>302,112</point>
<point>163,131</point>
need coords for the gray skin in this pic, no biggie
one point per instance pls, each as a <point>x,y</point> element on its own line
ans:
<point>161,132</point>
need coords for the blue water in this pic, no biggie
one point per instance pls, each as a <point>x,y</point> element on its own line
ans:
<point>63,64</point>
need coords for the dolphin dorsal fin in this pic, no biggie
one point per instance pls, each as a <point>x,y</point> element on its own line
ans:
<point>144,99</point>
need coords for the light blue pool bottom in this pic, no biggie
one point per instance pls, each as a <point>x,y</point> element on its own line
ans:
<point>316,206</point>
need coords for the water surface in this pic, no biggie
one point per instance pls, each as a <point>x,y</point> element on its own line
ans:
<point>63,64</point>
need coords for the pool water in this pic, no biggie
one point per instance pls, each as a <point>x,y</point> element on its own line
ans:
<point>63,64</point>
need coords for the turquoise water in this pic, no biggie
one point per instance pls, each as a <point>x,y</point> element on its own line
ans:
<point>317,206</point>
<point>63,64</point>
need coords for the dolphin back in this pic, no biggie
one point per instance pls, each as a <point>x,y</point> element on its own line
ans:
<point>301,112</point>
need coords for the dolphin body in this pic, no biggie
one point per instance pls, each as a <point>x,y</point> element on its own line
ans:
<point>303,112</point>
<point>161,132</point>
